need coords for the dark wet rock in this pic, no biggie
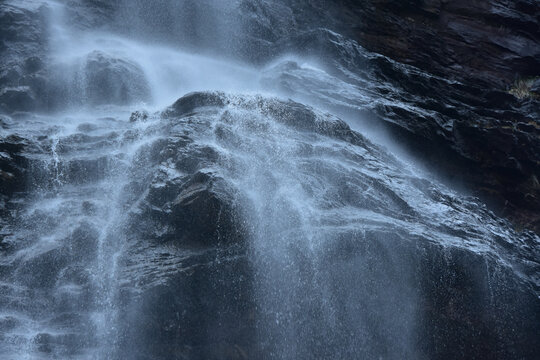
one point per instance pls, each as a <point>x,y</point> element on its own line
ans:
<point>411,60</point>
<point>23,31</point>
<point>197,210</point>
<point>5,122</point>
<point>30,81</point>
<point>112,80</point>
<point>87,14</point>
<point>52,261</point>
<point>185,202</point>
<point>18,99</point>
<point>8,323</point>
<point>535,87</point>
<point>201,210</point>
<point>461,300</point>
<point>204,311</point>
<point>84,242</point>
<point>484,47</point>
<point>13,164</point>
<point>187,104</point>
<point>415,253</point>
<point>87,127</point>
<point>46,342</point>
<point>465,301</point>
<point>294,114</point>
<point>490,42</point>
<point>434,116</point>
<point>97,79</point>
<point>138,116</point>
<point>43,341</point>
<point>400,254</point>
<point>464,59</point>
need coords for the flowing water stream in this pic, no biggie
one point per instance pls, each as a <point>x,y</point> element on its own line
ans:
<point>335,228</point>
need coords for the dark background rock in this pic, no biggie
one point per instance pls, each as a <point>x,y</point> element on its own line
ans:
<point>464,303</point>
<point>23,42</point>
<point>453,106</point>
<point>12,164</point>
<point>485,46</point>
<point>487,42</point>
<point>13,179</point>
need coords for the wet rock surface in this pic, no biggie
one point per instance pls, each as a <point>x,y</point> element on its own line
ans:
<point>206,197</point>
<point>485,47</point>
<point>246,226</point>
<point>437,74</point>
<point>461,298</point>
<point>465,58</point>
<point>12,175</point>
<point>22,46</point>
<point>98,78</point>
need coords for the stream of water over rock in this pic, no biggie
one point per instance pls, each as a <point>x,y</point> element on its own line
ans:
<point>183,204</point>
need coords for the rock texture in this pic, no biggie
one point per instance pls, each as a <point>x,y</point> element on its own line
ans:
<point>487,42</point>
<point>23,38</point>
<point>484,47</point>
<point>13,166</point>
<point>201,188</point>
<point>31,81</point>
<point>454,105</point>
<point>97,78</point>
<point>464,303</point>
<point>203,227</point>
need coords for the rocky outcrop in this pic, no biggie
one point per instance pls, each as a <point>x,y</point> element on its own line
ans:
<point>482,48</point>
<point>97,78</point>
<point>246,226</point>
<point>488,43</point>
<point>12,164</point>
<point>13,175</point>
<point>23,38</point>
<point>31,81</point>
<point>112,80</point>
<point>462,302</point>
<point>229,209</point>
<point>440,75</point>
<point>456,106</point>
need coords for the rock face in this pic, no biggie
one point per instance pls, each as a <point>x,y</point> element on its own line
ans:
<point>452,103</point>
<point>96,79</point>
<point>228,210</point>
<point>31,81</point>
<point>22,44</point>
<point>485,46</point>
<point>490,42</point>
<point>456,297</point>
<point>13,166</point>
<point>464,58</point>
<point>114,81</point>
<point>248,226</point>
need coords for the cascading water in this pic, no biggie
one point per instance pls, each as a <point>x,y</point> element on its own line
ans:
<point>233,224</point>
<point>74,220</point>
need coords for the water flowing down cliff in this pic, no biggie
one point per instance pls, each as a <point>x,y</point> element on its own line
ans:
<point>244,180</point>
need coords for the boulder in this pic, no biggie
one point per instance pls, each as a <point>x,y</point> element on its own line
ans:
<point>388,276</point>
<point>112,80</point>
<point>17,99</point>
<point>435,117</point>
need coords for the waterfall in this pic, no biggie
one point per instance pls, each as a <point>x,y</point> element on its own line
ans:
<point>183,198</point>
